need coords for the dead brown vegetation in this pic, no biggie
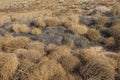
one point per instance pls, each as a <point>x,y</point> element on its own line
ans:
<point>17,42</point>
<point>93,35</point>
<point>8,65</point>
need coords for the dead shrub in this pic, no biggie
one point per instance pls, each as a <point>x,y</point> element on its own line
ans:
<point>8,66</point>
<point>36,31</point>
<point>93,35</point>
<point>17,42</point>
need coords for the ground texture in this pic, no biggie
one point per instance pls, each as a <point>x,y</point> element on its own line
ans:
<point>59,40</point>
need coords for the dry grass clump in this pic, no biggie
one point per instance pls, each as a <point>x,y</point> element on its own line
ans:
<point>17,42</point>
<point>23,28</point>
<point>22,73</point>
<point>74,19</point>
<point>114,31</point>
<point>13,18</point>
<point>46,69</point>
<point>8,66</point>
<point>115,22</point>
<point>63,55</point>
<point>39,22</point>
<point>16,28</point>
<point>96,65</point>
<point>51,21</point>
<point>73,76</point>
<point>69,62</point>
<point>4,39</point>
<point>36,46</point>
<point>8,36</point>
<point>50,70</point>
<point>110,42</point>
<point>116,10</point>
<point>36,31</point>
<point>67,22</point>
<point>72,23</point>
<point>102,20</point>
<point>93,34</point>
<point>57,52</point>
<point>70,20</point>
<point>31,55</point>
<point>79,29</point>
<point>116,57</point>
<point>50,48</point>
